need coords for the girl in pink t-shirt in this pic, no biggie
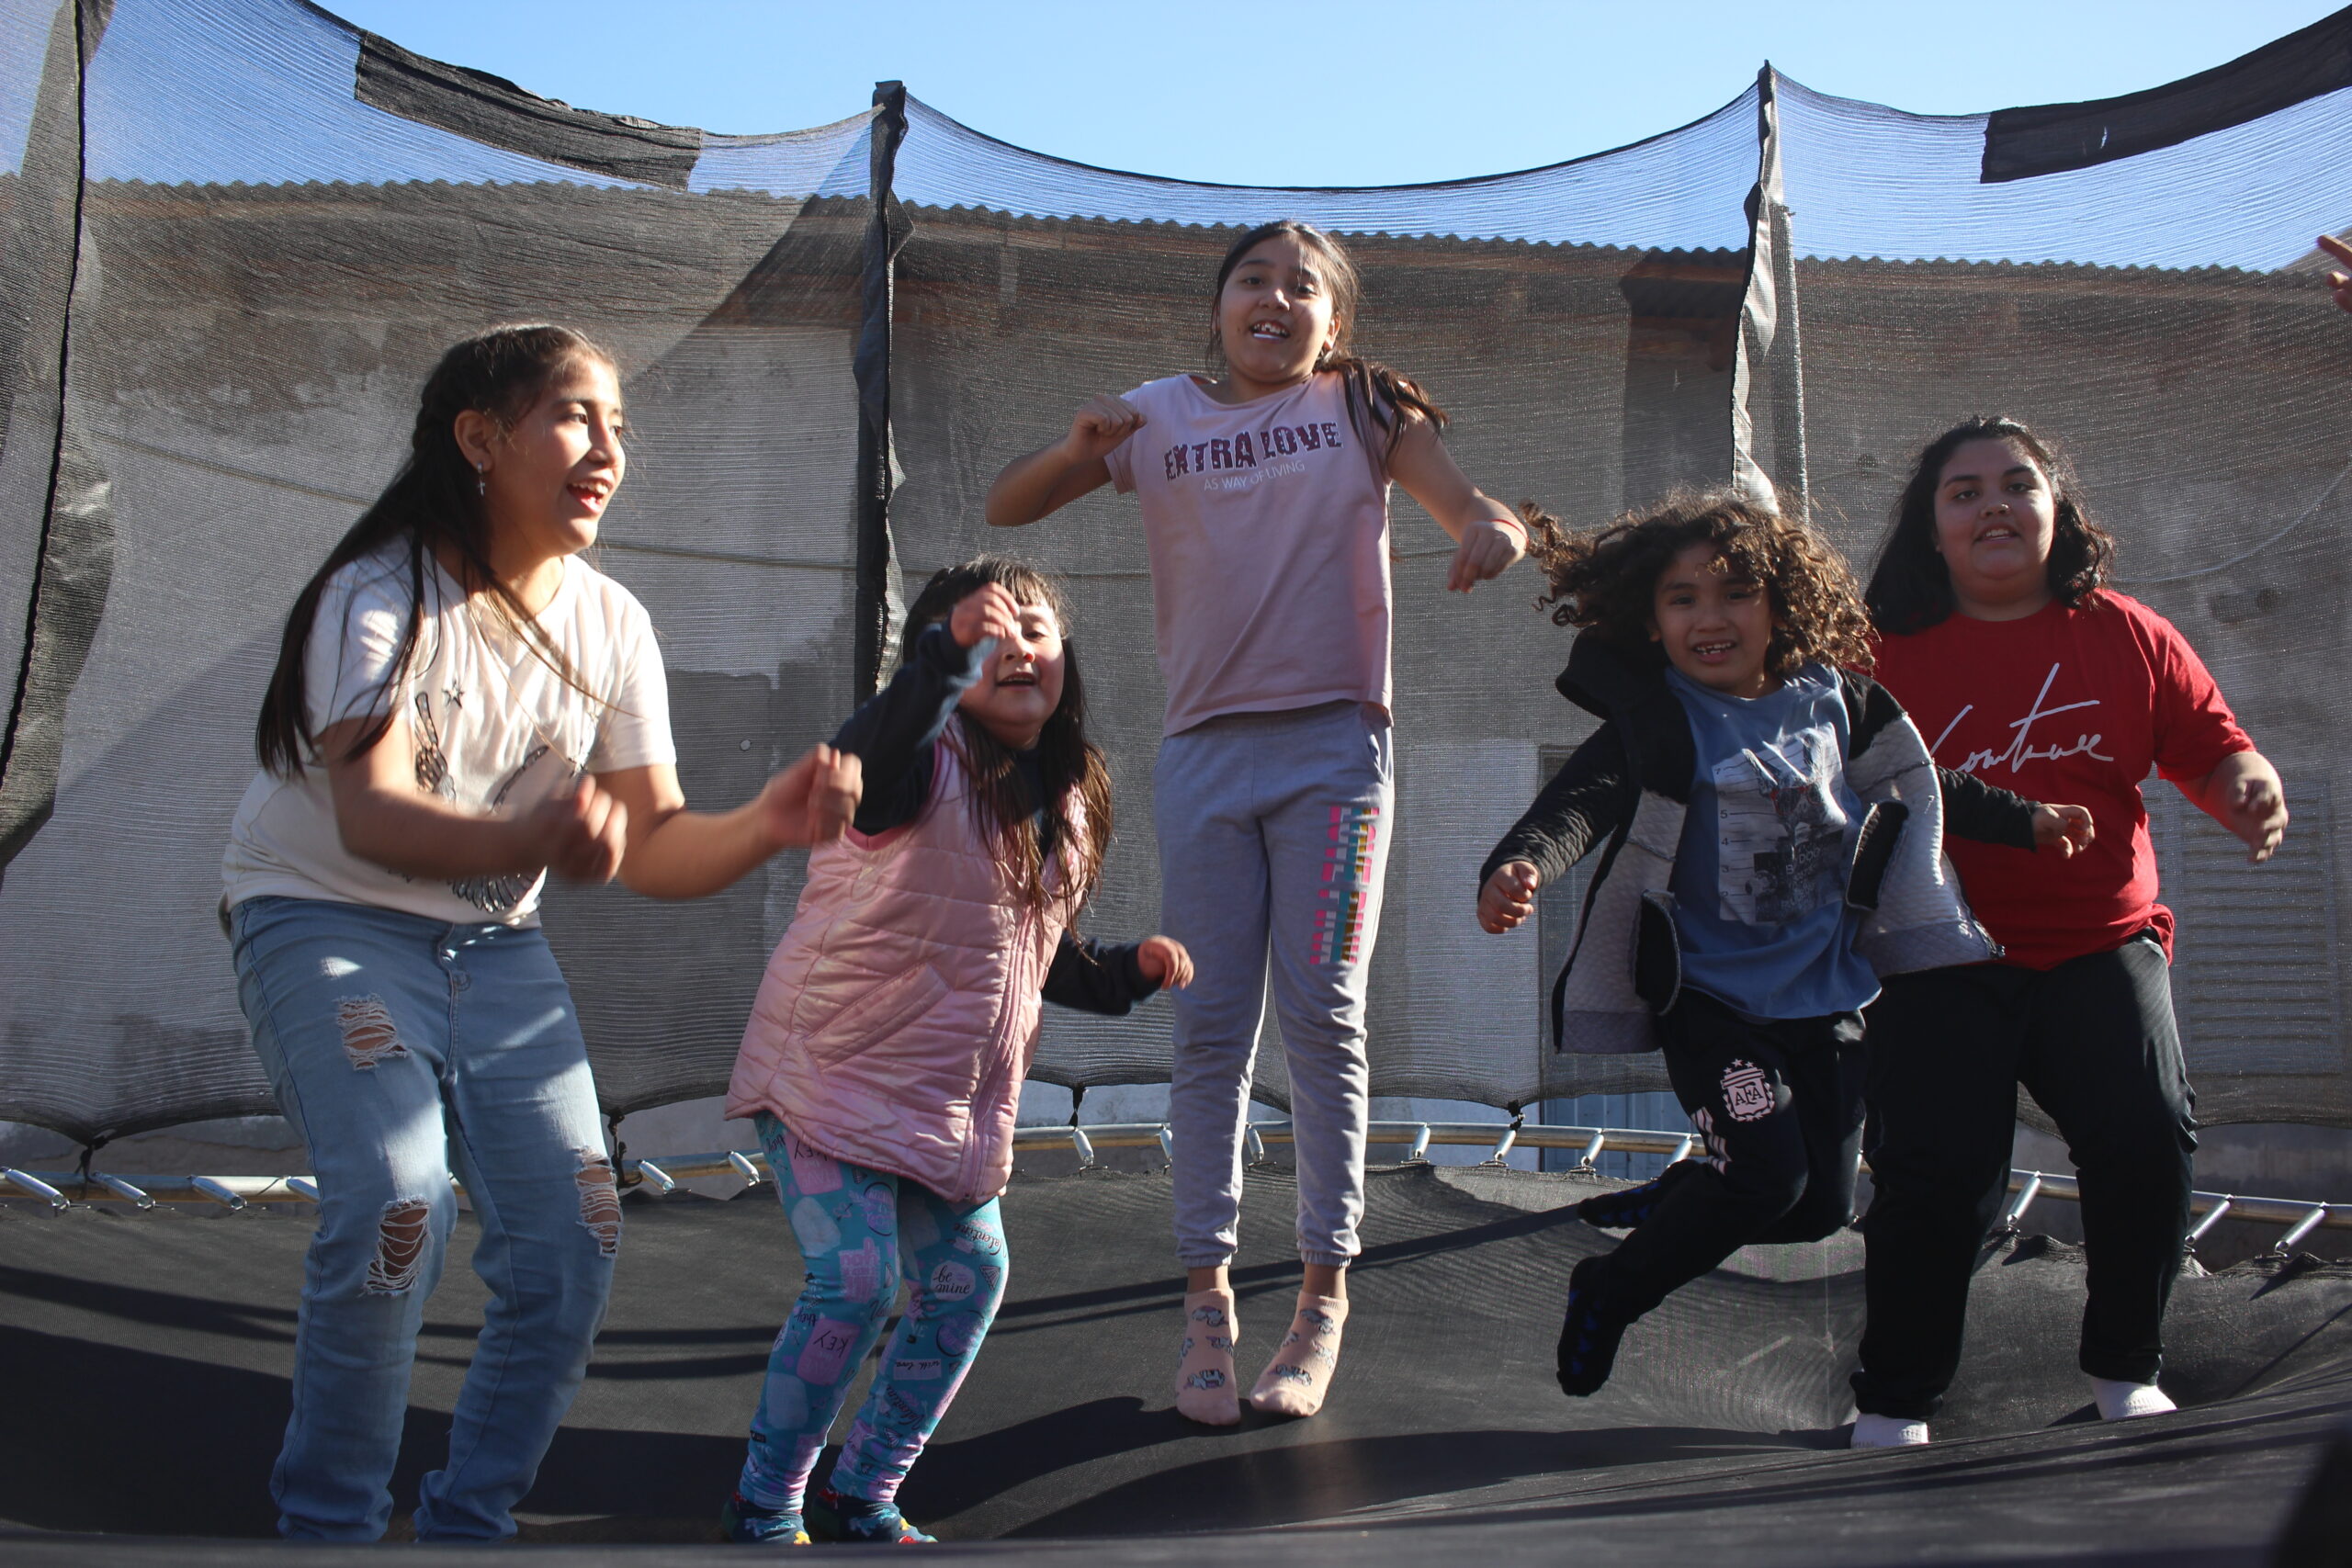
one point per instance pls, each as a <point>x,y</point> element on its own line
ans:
<point>1265,508</point>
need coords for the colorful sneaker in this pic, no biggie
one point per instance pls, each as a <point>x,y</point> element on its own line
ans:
<point>853,1521</point>
<point>748,1524</point>
<point>1588,1334</point>
<point>1629,1206</point>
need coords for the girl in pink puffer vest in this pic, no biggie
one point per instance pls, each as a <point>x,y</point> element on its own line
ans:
<point>885,1055</point>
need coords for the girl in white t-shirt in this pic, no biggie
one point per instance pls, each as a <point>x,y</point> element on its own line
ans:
<point>461,705</point>
<point>1265,510</point>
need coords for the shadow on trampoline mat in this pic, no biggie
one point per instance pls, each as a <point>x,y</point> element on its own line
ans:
<point>146,1359</point>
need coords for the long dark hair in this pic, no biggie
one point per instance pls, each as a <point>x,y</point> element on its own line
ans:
<point>1910,585</point>
<point>432,509</point>
<point>1605,577</point>
<point>1379,399</point>
<point>1067,763</point>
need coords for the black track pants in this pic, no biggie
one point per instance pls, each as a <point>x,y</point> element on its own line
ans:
<point>1779,1105</point>
<point>2092,1042</point>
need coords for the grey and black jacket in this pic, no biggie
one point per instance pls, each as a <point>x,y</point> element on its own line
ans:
<point>1629,785</point>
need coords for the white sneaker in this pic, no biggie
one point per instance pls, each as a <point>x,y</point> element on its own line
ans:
<point>2121,1401</point>
<point>1887,1432</point>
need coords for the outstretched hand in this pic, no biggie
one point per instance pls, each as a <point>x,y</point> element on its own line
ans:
<point>1101,427</point>
<point>1489,547</point>
<point>2338,283</point>
<point>1508,896</point>
<point>2066,828</point>
<point>812,800</point>
<point>1165,963</point>
<point>578,833</point>
<point>988,611</point>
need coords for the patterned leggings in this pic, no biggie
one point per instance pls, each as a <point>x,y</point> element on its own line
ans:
<point>859,1231</point>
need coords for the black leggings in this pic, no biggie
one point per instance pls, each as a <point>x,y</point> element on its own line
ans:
<point>2092,1042</point>
<point>1779,1104</point>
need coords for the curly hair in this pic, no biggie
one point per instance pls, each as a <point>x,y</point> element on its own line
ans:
<point>1910,586</point>
<point>1606,579</point>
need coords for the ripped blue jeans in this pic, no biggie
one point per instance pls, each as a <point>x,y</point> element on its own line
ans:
<point>403,1049</point>
<point>860,1230</point>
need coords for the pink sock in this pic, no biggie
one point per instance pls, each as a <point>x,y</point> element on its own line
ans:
<point>1296,1380</point>
<point>1205,1377</point>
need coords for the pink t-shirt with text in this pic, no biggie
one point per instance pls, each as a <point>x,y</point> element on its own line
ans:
<point>1267,523</point>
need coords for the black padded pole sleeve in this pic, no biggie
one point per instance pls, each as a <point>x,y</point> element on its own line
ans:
<point>884,231</point>
<point>74,564</point>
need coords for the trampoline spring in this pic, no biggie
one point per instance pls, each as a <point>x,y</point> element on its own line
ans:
<point>1503,1144</point>
<point>36,1186</point>
<point>648,1171</point>
<point>2025,1195</point>
<point>302,1187</point>
<point>2212,1217</point>
<point>1420,1151</point>
<point>216,1191</point>
<point>743,1166</point>
<point>2311,1222</point>
<point>1592,1151</point>
<point>1168,1146</point>
<point>121,1189</point>
<point>1083,1146</point>
<point>1255,1146</point>
<point>1682,1149</point>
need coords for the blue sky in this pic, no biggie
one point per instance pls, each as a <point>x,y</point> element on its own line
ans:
<point>1313,94</point>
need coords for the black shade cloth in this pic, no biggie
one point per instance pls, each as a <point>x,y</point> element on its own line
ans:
<point>2047,139</point>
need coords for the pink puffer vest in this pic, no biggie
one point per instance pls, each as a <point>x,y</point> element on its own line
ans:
<point>899,1013</point>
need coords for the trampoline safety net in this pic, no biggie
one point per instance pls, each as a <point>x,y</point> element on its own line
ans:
<point>238,233</point>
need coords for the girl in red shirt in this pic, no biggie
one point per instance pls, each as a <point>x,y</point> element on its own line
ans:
<point>1997,634</point>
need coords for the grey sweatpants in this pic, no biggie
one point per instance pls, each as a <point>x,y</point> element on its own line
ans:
<point>1274,836</point>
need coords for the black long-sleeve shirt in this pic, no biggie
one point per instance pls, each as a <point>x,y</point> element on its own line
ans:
<point>895,735</point>
<point>1597,789</point>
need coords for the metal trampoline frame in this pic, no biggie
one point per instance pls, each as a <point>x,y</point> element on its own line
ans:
<point>63,1190</point>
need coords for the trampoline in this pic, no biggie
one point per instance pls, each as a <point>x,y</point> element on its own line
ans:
<point>146,1359</point>
<point>233,236</point>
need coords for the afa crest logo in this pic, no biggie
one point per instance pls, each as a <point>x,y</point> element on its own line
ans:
<point>1748,1093</point>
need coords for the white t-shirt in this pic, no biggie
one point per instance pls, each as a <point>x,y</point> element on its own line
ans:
<point>495,730</point>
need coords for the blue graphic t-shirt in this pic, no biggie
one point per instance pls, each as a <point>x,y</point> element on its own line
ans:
<point>1759,877</point>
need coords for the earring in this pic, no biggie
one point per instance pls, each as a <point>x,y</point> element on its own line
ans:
<point>482,479</point>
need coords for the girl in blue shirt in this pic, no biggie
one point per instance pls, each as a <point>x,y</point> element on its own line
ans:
<point>1772,828</point>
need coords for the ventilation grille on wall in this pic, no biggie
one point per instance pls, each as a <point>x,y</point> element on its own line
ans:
<point>2254,971</point>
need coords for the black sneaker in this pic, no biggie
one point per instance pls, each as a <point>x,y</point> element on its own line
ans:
<point>1629,1206</point>
<point>853,1521</point>
<point>751,1525</point>
<point>1588,1333</point>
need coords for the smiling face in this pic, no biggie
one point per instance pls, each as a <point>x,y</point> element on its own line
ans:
<point>1021,684</point>
<point>547,480</point>
<point>1716,628</point>
<point>1274,316</point>
<point>1995,516</point>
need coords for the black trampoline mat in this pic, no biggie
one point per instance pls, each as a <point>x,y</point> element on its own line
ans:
<point>145,1358</point>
